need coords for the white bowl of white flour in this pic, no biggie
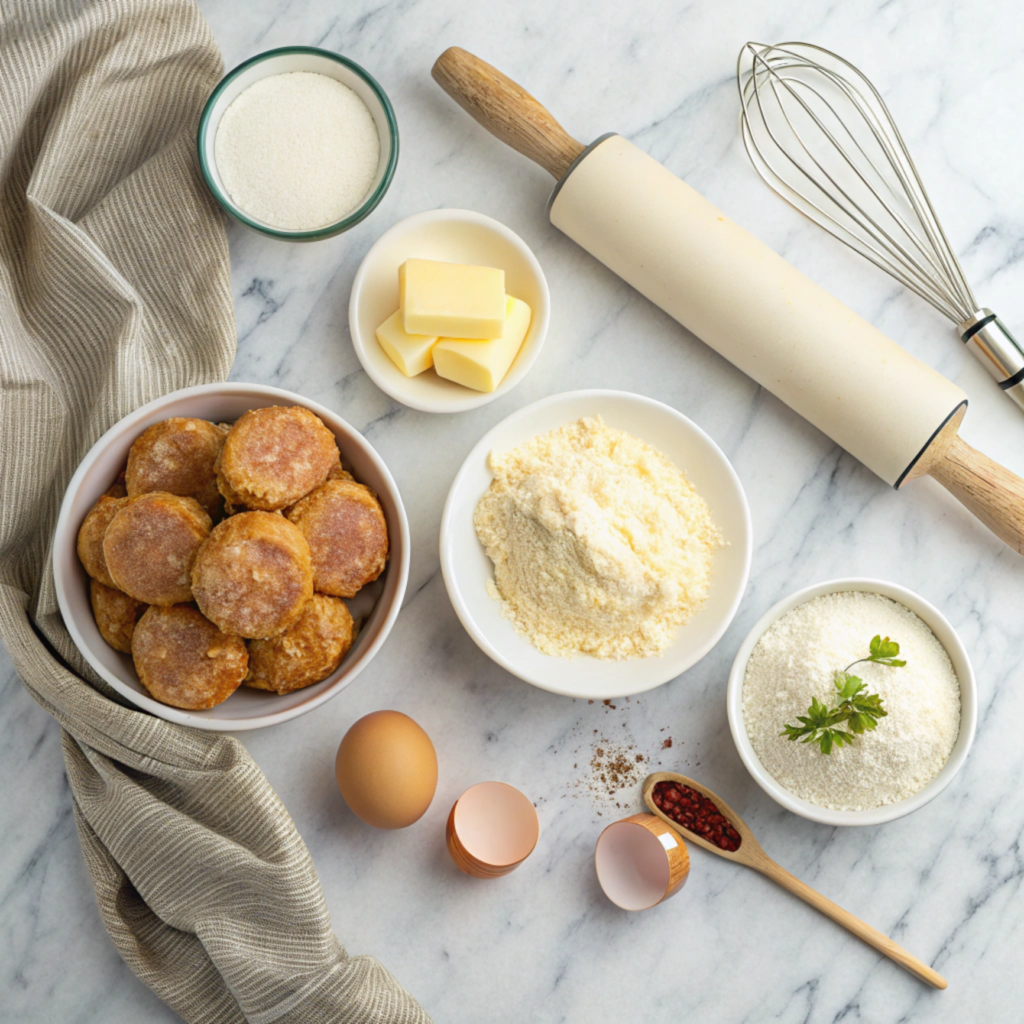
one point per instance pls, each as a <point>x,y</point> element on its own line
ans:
<point>861,752</point>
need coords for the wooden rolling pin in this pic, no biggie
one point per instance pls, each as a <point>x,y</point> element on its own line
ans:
<point>889,410</point>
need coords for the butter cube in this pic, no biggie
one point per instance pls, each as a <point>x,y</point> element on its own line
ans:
<point>411,353</point>
<point>482,364</point>
<point>451,300</point>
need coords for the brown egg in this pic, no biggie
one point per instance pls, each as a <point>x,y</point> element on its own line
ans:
<point>387,769</point>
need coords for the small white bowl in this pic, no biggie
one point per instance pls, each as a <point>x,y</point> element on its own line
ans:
<point>946,636</point>
<point>281,61</point>
<point>467,569</point>
<point>245,708</point>
<point>453,236</point>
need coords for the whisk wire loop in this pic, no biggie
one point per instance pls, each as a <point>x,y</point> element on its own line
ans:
<point>872,228</point>
<point>852,168</point>
<point>820,135</point>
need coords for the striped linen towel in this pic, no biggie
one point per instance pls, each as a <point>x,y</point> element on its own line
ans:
<point>114,290</point>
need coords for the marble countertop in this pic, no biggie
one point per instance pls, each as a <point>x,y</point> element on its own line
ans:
<point>544,944</point>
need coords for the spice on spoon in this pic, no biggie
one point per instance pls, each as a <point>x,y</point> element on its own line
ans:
<point>673,798</point>
<point>697,814</point>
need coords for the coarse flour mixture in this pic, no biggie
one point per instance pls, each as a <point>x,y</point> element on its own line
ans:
<point>600,544</point>
<point>796,659</point>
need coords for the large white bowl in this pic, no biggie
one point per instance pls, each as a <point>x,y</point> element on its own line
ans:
<point>246,708</point>
<point>453,236</point>
<point>946,636</point>
<point>467,569</point>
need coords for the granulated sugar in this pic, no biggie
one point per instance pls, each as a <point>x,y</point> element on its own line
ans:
<point>796,659</point>
<point>297,151</point>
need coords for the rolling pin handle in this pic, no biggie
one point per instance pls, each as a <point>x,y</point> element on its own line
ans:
<point>990,491</point>
<point>506,110</point>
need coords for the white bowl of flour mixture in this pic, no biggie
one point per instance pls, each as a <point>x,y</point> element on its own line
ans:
<point>608,483</point>
<point>790,658</point>
<point>298,143</point>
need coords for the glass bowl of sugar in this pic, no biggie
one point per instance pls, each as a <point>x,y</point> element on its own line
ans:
<point>298,143</point>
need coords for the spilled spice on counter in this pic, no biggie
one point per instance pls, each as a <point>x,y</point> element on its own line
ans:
<point>615,766</point>
<point>612,771</point>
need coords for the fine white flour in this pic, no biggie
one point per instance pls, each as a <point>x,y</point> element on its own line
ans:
<point>795,660</point>
<point>297,151</point>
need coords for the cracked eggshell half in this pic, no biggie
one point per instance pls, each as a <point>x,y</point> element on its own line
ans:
<point>491,830</point>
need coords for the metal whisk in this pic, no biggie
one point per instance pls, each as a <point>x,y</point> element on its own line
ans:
<point>820,135</point>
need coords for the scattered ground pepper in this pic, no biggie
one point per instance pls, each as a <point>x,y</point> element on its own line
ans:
<point>615,766</point>
<point>612,771</point>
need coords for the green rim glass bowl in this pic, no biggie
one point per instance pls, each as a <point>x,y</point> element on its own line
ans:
<point>946,636</point>
<point>278,62</point>
<point>378,603</point>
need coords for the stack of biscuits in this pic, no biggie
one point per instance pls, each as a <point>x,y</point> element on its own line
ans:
<point>221,555</point>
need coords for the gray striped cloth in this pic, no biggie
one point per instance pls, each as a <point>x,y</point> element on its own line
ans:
<point>114,289</point>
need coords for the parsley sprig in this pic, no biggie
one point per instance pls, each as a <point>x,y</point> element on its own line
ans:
<point>855,709</point>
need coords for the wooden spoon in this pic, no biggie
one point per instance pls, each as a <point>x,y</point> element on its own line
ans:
<point>751,855</point>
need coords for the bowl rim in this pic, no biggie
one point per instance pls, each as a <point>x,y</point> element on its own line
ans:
<point>472,400</point>
<point>65,533</point>
<point>362,211</point>
<point>447,546</point>
<point>968,703</point>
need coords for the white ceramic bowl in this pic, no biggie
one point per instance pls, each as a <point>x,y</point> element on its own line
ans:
<point>467,569</point>
<point>946,636</point>
<point>454,236</point>
<point>278,62</point>
<point>246,708</point>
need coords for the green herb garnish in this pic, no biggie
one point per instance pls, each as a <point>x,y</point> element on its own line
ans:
<point>855,709</point>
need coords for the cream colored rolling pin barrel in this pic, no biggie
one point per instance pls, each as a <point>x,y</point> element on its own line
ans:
<point>891,411</point>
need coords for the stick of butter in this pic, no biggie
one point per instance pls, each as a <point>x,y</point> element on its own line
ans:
<point>451,300</point>
<point>411,353</point>
<point>482,364</point>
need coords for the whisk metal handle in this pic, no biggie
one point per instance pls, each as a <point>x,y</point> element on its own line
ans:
<point>987,337</point>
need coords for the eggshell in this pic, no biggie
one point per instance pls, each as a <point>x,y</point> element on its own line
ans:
<point>491,830</point>
<point>387,769</point>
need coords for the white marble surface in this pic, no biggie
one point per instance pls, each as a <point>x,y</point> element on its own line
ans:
<point>543,944</point>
